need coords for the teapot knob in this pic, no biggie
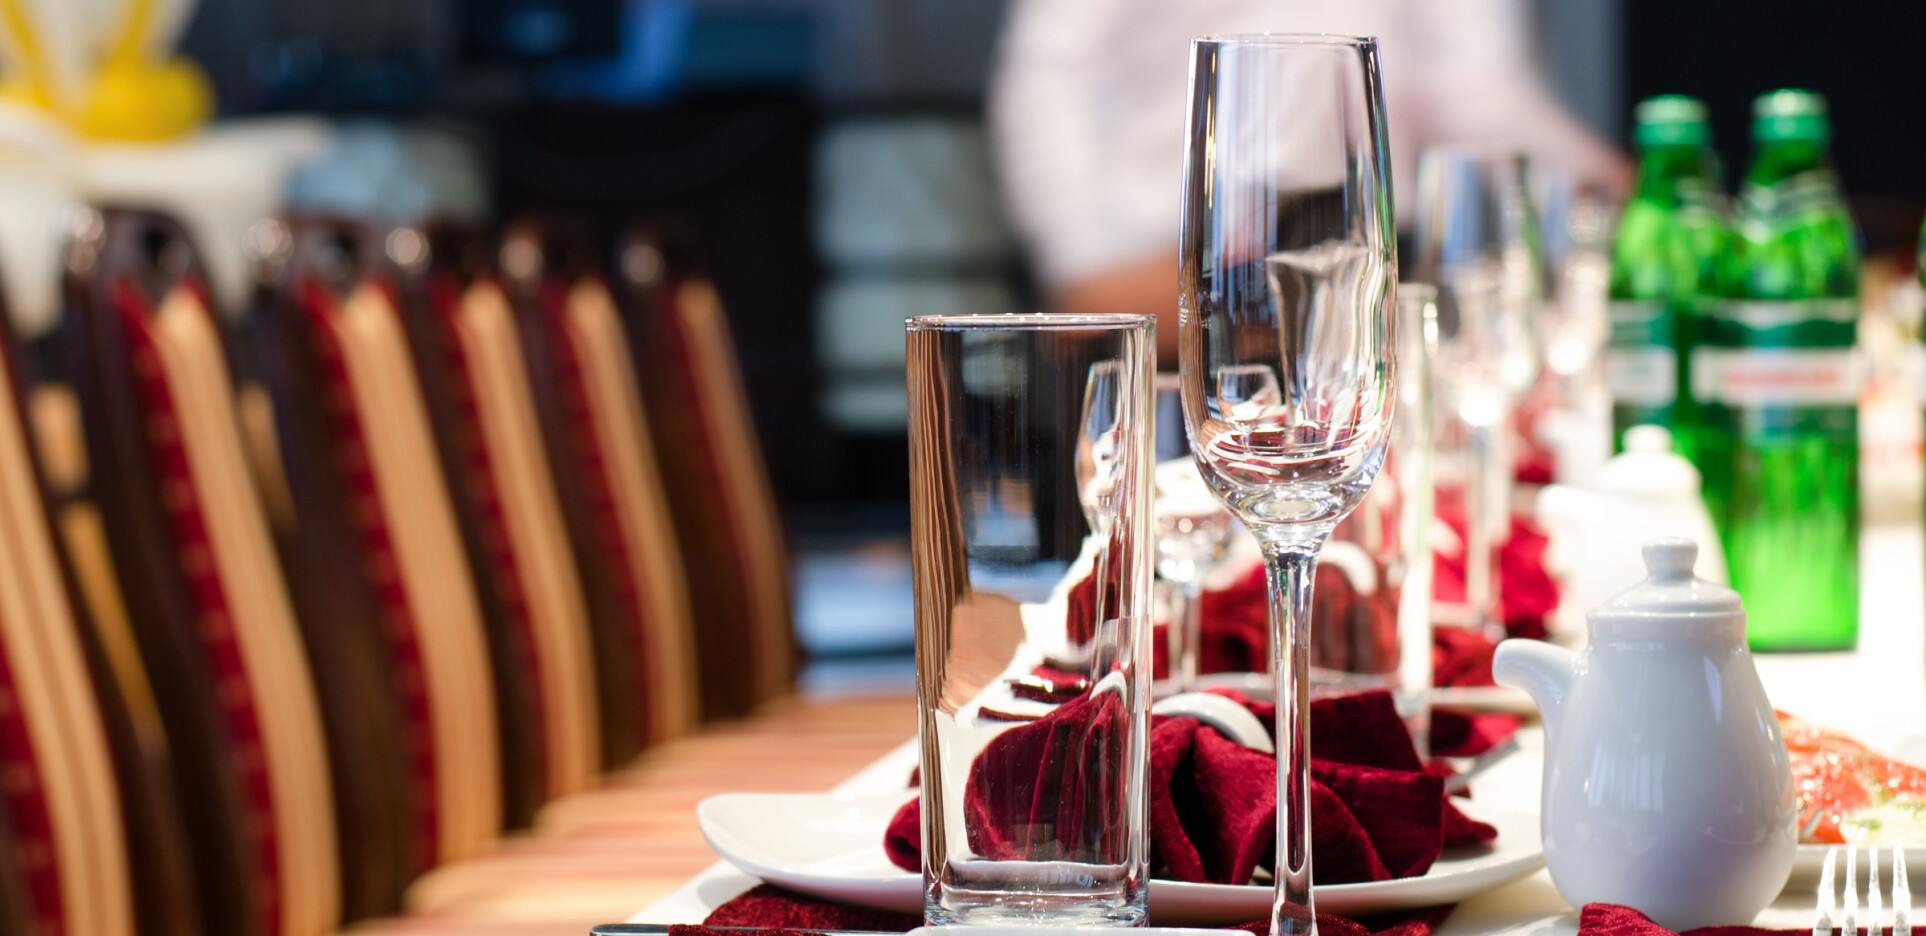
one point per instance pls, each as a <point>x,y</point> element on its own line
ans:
<point>1671,559</point>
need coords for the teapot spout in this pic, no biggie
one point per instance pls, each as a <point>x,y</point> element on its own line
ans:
<point>1542,670</point>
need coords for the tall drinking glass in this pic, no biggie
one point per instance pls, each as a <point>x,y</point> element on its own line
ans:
<point>1030,483</point>
<point>1286,268</point>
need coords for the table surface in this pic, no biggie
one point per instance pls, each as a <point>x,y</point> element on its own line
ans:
<point>1877,692</point>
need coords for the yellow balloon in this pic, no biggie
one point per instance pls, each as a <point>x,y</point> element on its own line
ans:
<point>146,103</point>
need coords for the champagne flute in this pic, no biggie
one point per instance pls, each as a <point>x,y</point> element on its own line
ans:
<point>1286,268</point>
<point>1193,535</point>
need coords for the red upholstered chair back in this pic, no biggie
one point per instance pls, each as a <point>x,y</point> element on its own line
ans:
<point>595,430</point>
<point>376,563</point>
<point>195,568</point>
<point>713,468</point>
<point>468,356</point>
<point>67,868</point>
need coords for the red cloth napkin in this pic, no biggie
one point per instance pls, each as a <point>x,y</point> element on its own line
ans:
<point>1613,920</point>
<point>1376,813</point>
<point>1236,619</point>
<point>1526,592</point>
<point>793,914</point>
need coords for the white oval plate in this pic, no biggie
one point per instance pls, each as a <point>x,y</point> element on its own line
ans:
<point>830,845</point>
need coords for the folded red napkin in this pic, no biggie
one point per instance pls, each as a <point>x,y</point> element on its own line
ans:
<point>1236,619</point>
<point>1376,813</point>
<point>794,914</point>
<point>1613,920</point>
<point>1526,592</point>
<point>1236,623</point>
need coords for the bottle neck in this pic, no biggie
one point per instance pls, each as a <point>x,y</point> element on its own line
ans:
<point>1662,168</point>
<point>1779,160</point>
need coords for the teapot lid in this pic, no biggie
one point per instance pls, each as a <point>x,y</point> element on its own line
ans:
<point>1670,588</point>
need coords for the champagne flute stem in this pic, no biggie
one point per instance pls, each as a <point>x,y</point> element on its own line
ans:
<point>1480,540</point>
<point>1290,570</point>
<point>1190,621</point>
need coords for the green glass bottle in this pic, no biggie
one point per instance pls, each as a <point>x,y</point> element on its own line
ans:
<point>1776,379</point>
<point>1667,254</point>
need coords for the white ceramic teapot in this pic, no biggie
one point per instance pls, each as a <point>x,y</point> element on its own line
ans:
<point>1667,785</point>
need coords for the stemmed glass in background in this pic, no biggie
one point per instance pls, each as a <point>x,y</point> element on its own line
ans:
<point>1286,268</point>
<point>1193,535</point>
<point>1478,242</point>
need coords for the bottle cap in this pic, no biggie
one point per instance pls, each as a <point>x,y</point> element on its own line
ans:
<point>1670,120</point>
<point>1790,114</point>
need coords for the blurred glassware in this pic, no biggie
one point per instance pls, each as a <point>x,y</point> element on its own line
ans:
<point>1374,599</point>
<point>1288,369</point>
<point>1193,535</point>
<point>1478,235</point>
<point>1579,432</point>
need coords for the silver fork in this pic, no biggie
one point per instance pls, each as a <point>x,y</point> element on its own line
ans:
<point>1848,914</point>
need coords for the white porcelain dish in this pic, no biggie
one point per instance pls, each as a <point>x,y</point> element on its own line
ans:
<point>830,845</point>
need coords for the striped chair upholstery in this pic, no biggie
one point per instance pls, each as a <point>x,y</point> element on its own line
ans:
<point>67,867</point>
<point>376,564</point>
<point>612,499</point>
<point>468,356</point>
<point>195,566</point>
<point>156,829</point>
<point>718,483</point>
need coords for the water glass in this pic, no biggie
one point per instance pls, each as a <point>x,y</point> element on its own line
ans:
<point>1030,494</point>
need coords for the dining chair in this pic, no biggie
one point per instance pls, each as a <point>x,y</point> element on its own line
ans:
<point>195,572</point>
<point>713,469</point>
<point>68,867</point>
<point>595,431</point>
<point>468,357</point>
<point>374,556</point>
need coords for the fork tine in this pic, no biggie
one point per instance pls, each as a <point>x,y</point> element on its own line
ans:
<point>1872,891</point>
<point>1902,896</point>
<point>1822,915</point>
<point>1849,896</point>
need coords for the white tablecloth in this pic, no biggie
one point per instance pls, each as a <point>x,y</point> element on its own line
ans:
<point>1877,692</point>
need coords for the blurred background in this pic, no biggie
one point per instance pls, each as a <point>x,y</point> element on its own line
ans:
<point>831,161</point>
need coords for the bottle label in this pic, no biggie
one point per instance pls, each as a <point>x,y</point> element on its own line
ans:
<point>1642,376</point>
<point>1641,367</point>
<point>1777,376</point>
<point>1796,353</point>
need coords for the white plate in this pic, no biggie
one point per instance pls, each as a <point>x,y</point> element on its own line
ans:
<point>1484,699</point>
<point>1258,686</point>
<point>830,845</point>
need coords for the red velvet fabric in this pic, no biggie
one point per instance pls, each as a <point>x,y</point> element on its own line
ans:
<point>794,915</point>
<point>1462,734</point>
<point>1376,813</point>
<point>1526,592</point>
<point>1086,608</point>
<point>1614,920</point>
<point>1236,619</point>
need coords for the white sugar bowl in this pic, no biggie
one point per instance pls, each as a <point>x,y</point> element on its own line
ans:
<point>1667,785</point>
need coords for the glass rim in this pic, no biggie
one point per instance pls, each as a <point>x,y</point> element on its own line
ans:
<point>1313,40</point>
<point>1030,321</point>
